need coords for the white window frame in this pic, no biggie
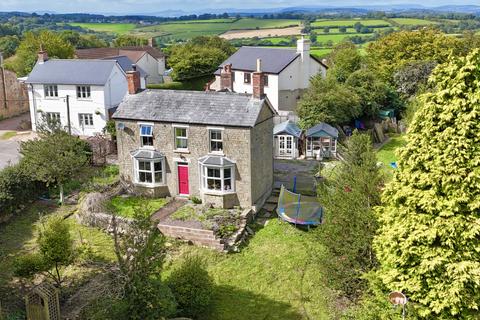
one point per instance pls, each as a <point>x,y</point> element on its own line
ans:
<point>287,152</point>
<point>53,116</point>
<point>210,140</point>
<point>205,178</point>
<point>245,76</point>
<point>84,92</point>
<point>85,116</point>
<point>140,125</point>
<point>175,137</point>
<point>152,171</point>
<point>50,91</point>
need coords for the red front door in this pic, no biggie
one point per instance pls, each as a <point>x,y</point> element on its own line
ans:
<point>183,179</point>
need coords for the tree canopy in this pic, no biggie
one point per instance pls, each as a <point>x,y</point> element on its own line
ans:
<point>429,239</point>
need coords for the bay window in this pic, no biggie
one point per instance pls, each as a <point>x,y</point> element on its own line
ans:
<point>148,167</point>
<point>217,174</point>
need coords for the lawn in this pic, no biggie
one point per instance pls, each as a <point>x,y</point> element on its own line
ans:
<point>413,21</point>
<point>320,52</point>
<point>336,38</point>
<point>387,153</point>
<point>350,23</point>
<point>125,206</point>
<point>274,277</point>
<point>119,28</point>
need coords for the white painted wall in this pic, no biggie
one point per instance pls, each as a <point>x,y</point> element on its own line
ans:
<point>102,98</point>
<point>153,67</point>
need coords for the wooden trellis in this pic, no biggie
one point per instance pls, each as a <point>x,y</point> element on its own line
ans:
<point>42,303</point>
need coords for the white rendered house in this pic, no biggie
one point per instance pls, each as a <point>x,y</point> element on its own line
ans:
<point>287,73</point>
<point>81,94</point>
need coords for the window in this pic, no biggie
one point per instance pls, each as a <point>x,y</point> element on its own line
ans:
<point>51,91</point>
<point>83,92</point>
<point>218,179</point>
<point>265,80</point>
<point>216,140</point>
<point>181,138</point>
<point>150,171</point>
<point>247,77</point>
<point>146,135</point>
<point>85,119</point>
<point>53,116</point>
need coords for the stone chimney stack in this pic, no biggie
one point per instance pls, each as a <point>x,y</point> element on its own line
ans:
<point>133,79</point>
<point>42,56</point>
<point>258,81</point>
<point>151,41</point>
<point>226,78</point>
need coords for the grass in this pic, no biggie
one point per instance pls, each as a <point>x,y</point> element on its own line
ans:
<point>119,28</point>
<point>125,206</point>
<point>350,23</point>
<point>413,21</point>
<point>320,52</point>
<point>190,29</point>
<point>197,84</point>
<point>274,277</point>
<point>7,135</point>
<point>387,153</point>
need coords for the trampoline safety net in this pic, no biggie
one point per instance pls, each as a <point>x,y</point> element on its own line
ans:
<point>298,209</point>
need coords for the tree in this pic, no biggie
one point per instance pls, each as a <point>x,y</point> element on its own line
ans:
<point>8,45</point>
<point>344,60</point>
<point>83,41</point>
<point>413,77</point>
<point>358,27</point>
<point>141,252</point>
<point>349,196</point>
<point>313,37</point>
<point>127,40</point>
<point>51,42</point>
<point>55,251</point>
<point>393,51</point>
<point>198,57</point>
<point>329,101</point>
<point>55,158</point>
<point>429,237</point>
<point>342,29</point>
<point>326,30</point>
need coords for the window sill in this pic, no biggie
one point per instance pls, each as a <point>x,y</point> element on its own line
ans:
<point>85,99</point>
<point>217,153</point>
<point>181,151</point>
<point>217,193</point>
<point>147,147</point>
<point>51,98</point>
<point>149,185</point>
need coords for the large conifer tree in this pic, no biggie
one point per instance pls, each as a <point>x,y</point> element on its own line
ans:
<point>429,240</point>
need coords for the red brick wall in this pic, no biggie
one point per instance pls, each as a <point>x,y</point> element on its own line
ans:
<point>16,100</point>
<point>258,85</point>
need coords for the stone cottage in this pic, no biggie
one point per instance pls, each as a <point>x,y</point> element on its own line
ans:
<point>217,146</point>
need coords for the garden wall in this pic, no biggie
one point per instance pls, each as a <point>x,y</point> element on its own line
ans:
<point>13,95</point>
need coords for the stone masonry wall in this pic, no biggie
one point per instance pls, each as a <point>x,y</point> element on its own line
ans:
<point>16,100</point>
<point>197,236</point>
<point>236,144</point>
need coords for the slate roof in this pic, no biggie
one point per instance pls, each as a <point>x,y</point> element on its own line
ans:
<point>287,127</point>
<point>147,154</point>
<point>274,60</point>
<point>72,71</point>
<point>192,107</point>
<point>133,53</point>
<point>126,64</point>
<point>216,161</point>
<point>322,126</point>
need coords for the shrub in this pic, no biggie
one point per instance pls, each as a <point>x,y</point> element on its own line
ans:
<point>28,265</point>
<point>153,300</point>
<point>196,200</point>
<point>192,287</point>
<point>16,188</point>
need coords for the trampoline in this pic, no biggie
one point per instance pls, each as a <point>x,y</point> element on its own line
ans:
<point>298,209</point>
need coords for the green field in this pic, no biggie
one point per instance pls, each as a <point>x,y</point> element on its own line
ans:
<point>350,23</point>
<point>412,22</point>
<point>120,28</point>
<point>320,52</point>
<point>186,31</point>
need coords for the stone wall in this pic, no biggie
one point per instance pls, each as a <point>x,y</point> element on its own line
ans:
<point>13,95</point>
<point>236,143</point>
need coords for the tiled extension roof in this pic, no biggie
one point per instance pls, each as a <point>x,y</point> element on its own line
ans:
<point>191,107</point>
<point>133,53</point>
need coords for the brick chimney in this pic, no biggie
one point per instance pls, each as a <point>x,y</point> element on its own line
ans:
<point>258,81</point>
<point>42,56</point>
<point>226,79</point>
<point>133,79</point>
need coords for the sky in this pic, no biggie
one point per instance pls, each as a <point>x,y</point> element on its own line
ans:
<point>145,6</point>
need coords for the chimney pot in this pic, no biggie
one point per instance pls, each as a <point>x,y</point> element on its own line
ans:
<point>151,41</point>
<point>259,65</point>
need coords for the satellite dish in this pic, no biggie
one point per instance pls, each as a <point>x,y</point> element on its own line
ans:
<point>121,126</point>
<point>398,299</point>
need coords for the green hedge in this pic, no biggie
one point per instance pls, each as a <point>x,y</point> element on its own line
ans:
<point>16,189</point>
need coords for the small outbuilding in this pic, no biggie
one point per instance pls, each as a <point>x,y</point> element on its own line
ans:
<point>286,140</point>
<point>321,141</point>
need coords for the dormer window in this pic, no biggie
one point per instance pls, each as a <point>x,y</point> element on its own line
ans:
<point>51,91</point>
<point>247,77</point>
<point>146,135</point>
<point>83,92</point>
